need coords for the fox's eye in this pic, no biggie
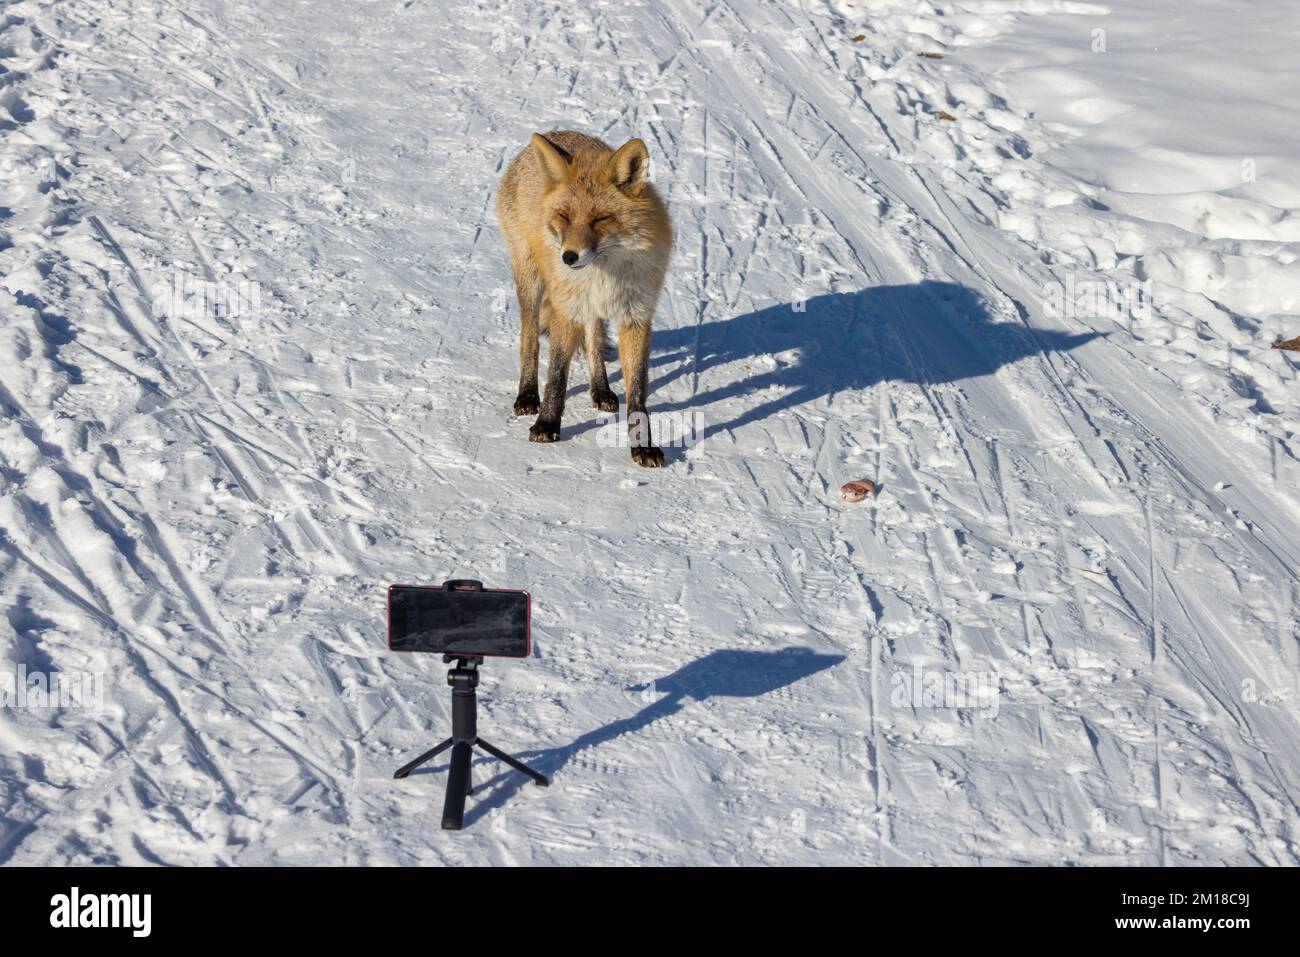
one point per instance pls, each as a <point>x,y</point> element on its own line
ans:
<point>600,219</point>
<point>563,218</point>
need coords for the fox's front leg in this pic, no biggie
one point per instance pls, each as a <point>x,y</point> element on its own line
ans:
<point>565,338</point>
<point>528,289</point>
<point>634,356</point>
<point>602,397</point>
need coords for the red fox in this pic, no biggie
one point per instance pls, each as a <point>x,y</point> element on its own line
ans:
<point>588,239</point>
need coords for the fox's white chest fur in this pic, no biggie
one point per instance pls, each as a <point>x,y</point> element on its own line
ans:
<point>622,287</point>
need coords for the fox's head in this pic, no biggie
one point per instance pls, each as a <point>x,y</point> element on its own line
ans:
<point>594,201</point>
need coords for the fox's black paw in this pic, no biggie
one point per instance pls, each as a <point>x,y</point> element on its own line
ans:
<point>604,400</point>
<point>543,431</point>
<point>527,403</point>
<point>649,456</point>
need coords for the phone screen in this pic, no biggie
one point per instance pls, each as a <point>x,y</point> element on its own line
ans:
<point>459,621</point>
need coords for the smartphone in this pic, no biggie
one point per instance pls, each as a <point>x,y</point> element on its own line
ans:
<point>460,618</point>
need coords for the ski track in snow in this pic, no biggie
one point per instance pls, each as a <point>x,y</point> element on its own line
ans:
<point>207,508</point>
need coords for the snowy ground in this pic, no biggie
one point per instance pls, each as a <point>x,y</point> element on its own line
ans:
<point>880,207</point>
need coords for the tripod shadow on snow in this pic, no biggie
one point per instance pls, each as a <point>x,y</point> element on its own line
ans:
<point>786,355</point>
<point>719,674</point>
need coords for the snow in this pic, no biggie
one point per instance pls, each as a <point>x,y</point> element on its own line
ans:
<point>257,360</point>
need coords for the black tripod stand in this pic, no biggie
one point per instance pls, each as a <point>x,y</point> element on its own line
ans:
<point>463,679</point>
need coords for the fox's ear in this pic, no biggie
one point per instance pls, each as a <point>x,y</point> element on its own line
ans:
<point>628,167</point>
<point>553,160</point>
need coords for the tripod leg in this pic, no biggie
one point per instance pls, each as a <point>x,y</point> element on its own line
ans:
<point>515,763</point>
<point>429,755</point>
<point>453,808</point>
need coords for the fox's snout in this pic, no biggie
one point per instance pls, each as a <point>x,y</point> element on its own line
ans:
<point>576,257</point>
<point>576,246</point>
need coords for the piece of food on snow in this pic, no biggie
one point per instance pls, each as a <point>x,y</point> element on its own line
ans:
<point>856,491</point>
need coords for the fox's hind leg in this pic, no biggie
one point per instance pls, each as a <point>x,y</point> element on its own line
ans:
<point>602,397</point>
<point>528,287</point>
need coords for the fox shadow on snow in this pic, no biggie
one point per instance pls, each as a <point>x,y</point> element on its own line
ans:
<point>925,333</point>
<point>720,674</point>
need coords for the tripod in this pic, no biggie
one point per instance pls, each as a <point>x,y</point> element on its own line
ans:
<point>463,679</point>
